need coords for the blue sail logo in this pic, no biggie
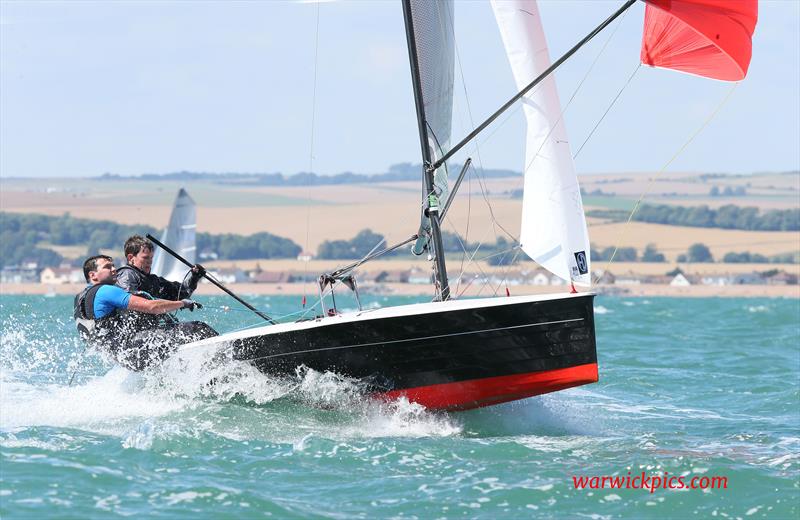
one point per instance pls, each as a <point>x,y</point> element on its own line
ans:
<point>580,259</point>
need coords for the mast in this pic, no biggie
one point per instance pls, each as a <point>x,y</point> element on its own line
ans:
<point>431,200</point>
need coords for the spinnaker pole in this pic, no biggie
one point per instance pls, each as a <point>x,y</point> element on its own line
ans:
<point>431,200</point>
<point>532,84</point>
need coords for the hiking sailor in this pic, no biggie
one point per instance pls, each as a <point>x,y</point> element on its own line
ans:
<point>135,277</point>
<point>130,327</point>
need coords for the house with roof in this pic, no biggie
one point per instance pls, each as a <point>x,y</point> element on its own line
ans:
<point>539,277</point>
<point>271,277</point>
<point>305,256</point>
<point>720,280</point>
<point>61,275</point>
<point>420,276</point>
<point>393,276</point>
<point>782,278</point>
<point>230,275</point>
<point>27,273</point>
<point>660,279</point>
<point>604,277</point>
<point>748,279</point>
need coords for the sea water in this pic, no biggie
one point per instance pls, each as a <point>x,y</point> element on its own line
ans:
<point>688,388</point>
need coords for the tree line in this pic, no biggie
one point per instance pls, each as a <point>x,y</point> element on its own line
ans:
<point>698,252</point>
<point>367,241</point>
<point>503,252</point>
<point>396,172</point>
<point>25,238</point>
<point>729,216</point>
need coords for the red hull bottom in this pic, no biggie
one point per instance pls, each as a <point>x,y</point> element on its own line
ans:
<point>476,393</point>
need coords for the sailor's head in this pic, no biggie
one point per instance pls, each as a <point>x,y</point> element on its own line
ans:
<point>99,269</point>
<point>139,253</point>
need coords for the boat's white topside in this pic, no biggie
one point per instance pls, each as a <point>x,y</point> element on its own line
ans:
<point>385,312</point>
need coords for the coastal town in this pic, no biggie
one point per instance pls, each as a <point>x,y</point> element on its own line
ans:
<point>268,277</point>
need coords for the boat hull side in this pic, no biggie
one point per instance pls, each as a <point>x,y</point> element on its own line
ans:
<point>454,359</point>
<point>476,393</point>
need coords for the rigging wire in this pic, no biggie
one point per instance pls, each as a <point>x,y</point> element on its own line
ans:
<point>613,101</point>
<point>649,185</point>
<point>574,94</point>
<point>480,181</point>
<point>311,158</point>
<point>478,176</point>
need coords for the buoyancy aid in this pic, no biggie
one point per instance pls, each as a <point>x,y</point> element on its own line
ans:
<point>90,327</point>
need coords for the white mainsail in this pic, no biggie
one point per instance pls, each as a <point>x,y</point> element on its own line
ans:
<point>180,237</point>
<point>553,231</point>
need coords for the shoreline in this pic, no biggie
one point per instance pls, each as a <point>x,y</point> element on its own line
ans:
<point>405,289</point>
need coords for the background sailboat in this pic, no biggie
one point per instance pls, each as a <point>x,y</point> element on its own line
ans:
<point>180,233</point>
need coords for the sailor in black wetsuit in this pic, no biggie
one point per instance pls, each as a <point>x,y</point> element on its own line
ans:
<point>131,328</point>
<point>135,277</point>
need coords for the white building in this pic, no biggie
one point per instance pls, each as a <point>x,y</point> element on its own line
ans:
<point>540,278</point>
<point>61,275</point>
<point>230,275</point>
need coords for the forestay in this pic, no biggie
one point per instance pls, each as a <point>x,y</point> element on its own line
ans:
<point>553,231</point>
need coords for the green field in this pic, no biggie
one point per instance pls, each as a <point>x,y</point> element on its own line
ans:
<point>608,202</point>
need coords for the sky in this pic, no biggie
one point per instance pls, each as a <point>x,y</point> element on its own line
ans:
<point>156,87</point>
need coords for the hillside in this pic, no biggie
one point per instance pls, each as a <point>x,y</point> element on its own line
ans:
<point>339,211</point>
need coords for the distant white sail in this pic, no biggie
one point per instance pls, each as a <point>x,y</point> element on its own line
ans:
<point>180,237</point>
<point>553,231</point>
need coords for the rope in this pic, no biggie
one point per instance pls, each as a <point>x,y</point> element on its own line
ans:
<point>649,185</point>
<point>504,273</point>
<point>480,169</point>
<point>466,253</point>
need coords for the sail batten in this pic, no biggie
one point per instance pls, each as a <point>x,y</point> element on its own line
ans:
<point>553,230</point>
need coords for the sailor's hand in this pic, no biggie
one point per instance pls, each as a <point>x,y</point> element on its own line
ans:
<point>197,272</point>
<point>191,305</point>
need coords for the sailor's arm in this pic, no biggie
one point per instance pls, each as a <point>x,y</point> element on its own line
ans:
<point>137,303</point>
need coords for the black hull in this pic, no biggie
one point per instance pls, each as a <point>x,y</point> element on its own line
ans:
<point>452,355</point>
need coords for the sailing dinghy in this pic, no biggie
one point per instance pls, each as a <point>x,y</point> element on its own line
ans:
<point>181,234</point>
<point>456,354</point>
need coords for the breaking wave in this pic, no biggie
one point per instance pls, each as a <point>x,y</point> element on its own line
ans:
<point>187,397</point>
